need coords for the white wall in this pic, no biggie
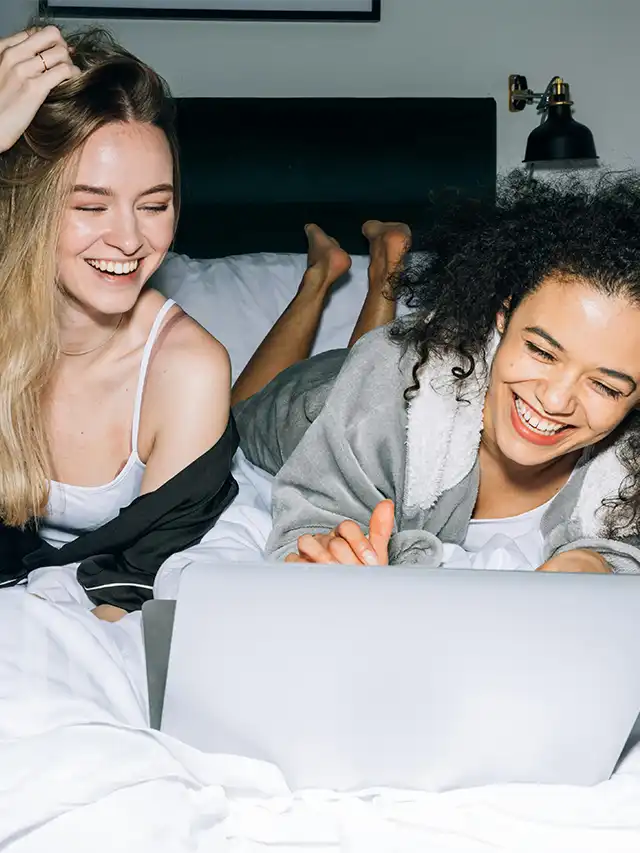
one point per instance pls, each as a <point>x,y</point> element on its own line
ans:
<point>422,47</point>
<point>14,14</point>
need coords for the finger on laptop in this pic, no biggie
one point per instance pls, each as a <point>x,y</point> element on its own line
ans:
<point>314,548</point>
<point>294,557</point>
<point>340,549</point>
<point>381,528</point>
<point>358,542</point>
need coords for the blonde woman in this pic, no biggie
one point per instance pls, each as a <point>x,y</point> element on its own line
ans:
<point>115,436</point>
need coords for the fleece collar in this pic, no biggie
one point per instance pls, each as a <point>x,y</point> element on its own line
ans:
<point>443,432</point>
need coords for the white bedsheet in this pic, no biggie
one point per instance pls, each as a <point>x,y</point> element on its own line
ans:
<point>240,534</point>
<point>80,770</point>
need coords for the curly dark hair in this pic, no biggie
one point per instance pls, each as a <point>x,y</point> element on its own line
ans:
<point>481,257</point>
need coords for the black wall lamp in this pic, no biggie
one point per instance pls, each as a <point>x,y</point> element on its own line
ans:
<point>559,136</point>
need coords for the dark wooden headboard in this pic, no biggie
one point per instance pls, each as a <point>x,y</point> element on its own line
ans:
<point>255,170</point>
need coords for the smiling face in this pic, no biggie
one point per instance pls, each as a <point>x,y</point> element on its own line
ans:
<point>120,219</point>
<point>566,373</point>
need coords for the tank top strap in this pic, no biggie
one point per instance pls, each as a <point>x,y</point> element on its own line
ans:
<point>144,364</point>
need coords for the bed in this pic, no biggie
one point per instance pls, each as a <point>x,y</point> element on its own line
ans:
<point>79,766</point>
<point>254,171</point>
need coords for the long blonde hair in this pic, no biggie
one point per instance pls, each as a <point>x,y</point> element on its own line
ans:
<point>35,181</point>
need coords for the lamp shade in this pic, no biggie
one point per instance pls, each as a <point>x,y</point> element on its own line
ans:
<point>560,137</point>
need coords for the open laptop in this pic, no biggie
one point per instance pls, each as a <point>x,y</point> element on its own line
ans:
<point>351,677</point>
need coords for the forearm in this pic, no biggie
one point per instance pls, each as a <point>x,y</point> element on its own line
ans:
<point>580,560</point>
<point>109,613</point>
<point>349,459</point>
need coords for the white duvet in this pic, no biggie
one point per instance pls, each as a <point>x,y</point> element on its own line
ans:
<point>80,770</point>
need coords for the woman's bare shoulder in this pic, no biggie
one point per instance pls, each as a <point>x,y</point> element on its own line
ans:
<point>187,397</point>
<point>189,361</point>
<point>182,344</point>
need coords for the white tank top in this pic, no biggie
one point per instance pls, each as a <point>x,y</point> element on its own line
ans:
<point>73,510</point>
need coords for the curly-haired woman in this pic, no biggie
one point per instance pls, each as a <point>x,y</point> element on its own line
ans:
<point>502,410</point>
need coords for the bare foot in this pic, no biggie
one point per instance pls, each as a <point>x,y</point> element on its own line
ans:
<point>388,244</point>
<point>326,261</point>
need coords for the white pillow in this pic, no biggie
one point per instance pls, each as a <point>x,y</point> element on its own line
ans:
<point>238,299</point>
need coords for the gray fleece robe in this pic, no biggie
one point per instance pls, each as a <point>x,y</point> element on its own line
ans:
<point>341,445</point>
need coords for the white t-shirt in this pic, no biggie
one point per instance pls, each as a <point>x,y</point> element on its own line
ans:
<point>500,543</point>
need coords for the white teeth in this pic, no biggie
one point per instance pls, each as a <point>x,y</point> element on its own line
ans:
<point>114,267</point>
<point>541,425</point>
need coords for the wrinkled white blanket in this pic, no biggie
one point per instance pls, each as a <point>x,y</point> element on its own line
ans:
<point>80,770</point>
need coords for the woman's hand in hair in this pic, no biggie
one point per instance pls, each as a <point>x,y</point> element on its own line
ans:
<point>580,560</point>
<point>347,544</point>
<point>31,64</point>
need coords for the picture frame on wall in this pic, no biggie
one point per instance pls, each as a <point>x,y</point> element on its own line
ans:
<point>230,10</point>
